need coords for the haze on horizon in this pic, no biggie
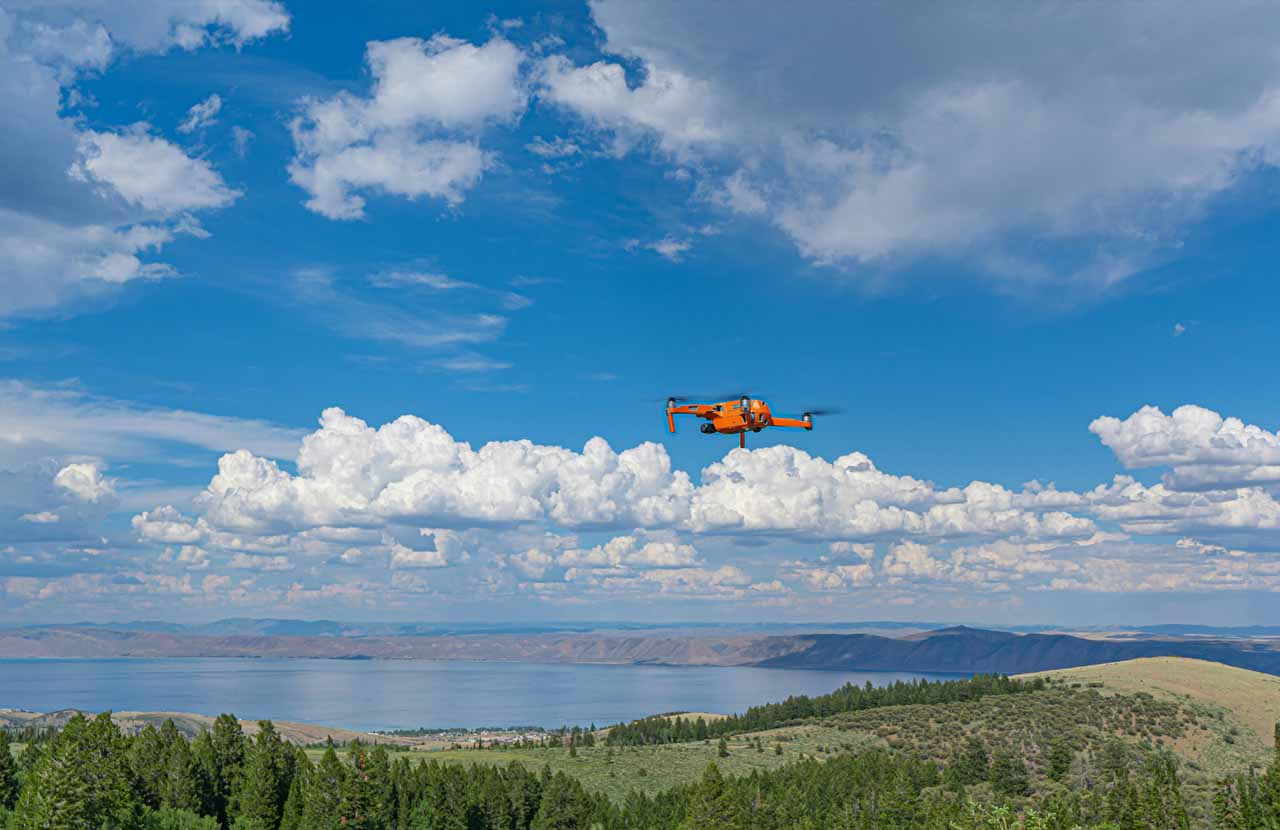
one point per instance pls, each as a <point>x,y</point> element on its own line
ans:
<point>307,316</point>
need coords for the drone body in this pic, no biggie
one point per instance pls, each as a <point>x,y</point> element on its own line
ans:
<point>734,417</point>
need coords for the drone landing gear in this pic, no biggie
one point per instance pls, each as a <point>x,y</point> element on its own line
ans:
<point>742,440</point>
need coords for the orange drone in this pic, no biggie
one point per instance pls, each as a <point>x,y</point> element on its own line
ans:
<point>736,417</point>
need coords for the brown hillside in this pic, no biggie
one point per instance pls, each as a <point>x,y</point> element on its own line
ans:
<point>1248,697</point>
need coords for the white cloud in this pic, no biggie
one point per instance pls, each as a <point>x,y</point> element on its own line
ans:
<point>912,559</point>
<point>833,577</point>
<point>392,322</point>
<point>64,421</point>
<point>78,45</point>
<point>873,133</point>
<point>533,563</point>
<point>193,558</point>
<point>419,279</point>
<point>468,362</point>
<point>671,248</point>
<point>784,489</point>
<point>246,562</point>
<point>55,264</point>
<point>159,25</point>
<point>167,524</point>
<point>43,517</point>
<point>395,164</point>
<point>417,133</point>
<point>406,497</point>
<point>72,240</point>
<point>1205,450</point>
<point>556,148</point>
<point>449,550</point>
<point>84,481</point>
<point>728,579</point>
<point>202,115</point>
<point>412,470</point>
<point>240,140</point>
<point>845,550</point>
<point>677,110</point>
<point>150,172</point>
<point>628,552</point>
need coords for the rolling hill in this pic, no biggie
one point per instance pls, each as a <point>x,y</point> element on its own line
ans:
<point>1217,720</point>
<point>967,650</point>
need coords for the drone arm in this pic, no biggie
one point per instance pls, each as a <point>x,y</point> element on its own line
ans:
<point>689,409</point>
<point>797,423</point>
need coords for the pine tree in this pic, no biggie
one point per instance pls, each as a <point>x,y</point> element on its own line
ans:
<point>81,782</point>
<point>291,818</point>
<point>268,769</point>
<point>146,760</point>
<point>1009,774</point>
<point>711,806</point>
<point>722,749</point>
<point>358,806</point>
<point>321,810</point>
<point>973,765</point>
<point>180,788</point>
<point>565,805</point>
<point>1059,759</point>
<point>8,774</point>
<point>224,765</point>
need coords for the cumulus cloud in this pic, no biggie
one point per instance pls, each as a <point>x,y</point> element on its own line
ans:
<point>449,550</point>
<point>508,517</point>
<point>248,562</point>
<point>150,172</point>
<point>411,470</point>
<point>1205,450</point>
<point>786,490</point>
<point>674,109</point>
<point>987,133</point>
<point>832,577</point>
<point>84,211</point>
<point>625,552</point>
<point>84,481</point>
<point>417,133</point>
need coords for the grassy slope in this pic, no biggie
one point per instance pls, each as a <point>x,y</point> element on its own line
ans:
<point>1210,715</point>
<point>656,768</point>
<point>1250,699</point>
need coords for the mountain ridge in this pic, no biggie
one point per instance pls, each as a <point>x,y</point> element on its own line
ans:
<point>957,649</point>
<point>976,650</point>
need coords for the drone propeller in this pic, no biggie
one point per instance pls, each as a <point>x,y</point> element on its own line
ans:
<point>825,410</point>
<point>732,396</point>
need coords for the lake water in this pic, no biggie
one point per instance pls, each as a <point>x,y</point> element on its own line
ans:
<point>393,694</point>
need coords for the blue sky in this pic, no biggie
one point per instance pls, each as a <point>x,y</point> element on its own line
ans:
<point>977,233</point>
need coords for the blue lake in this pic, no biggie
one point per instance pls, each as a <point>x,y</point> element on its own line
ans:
<point>391,694</point>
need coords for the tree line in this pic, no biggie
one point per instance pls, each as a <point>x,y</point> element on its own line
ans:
<point>91,776</point>
<point>665,729</point>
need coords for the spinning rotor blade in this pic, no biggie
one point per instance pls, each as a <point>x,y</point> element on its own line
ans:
<point>731,396</point>
<point>825,410</point>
